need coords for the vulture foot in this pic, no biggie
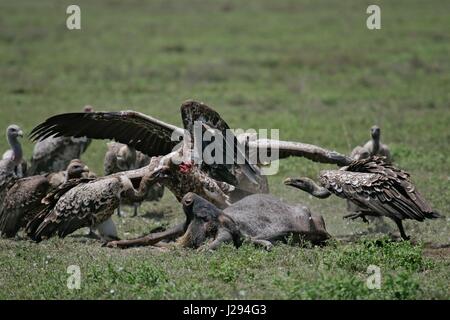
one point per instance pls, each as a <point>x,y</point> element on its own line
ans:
<point>356,215</point>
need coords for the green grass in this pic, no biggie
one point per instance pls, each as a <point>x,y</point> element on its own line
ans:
<point>309,68</point>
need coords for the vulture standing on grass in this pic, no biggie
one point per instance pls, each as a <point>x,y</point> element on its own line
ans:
<point>121,157</point>
<point>10,164</point>
<point>174,147</point>
<point>86,202</point>
<point>373,147</point>
<point>55,152</point>
<point>23,200</point>
<point>15,154</point>
<point>375,187</point>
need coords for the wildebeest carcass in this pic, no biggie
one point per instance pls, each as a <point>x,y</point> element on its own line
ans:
<point>260,219</point>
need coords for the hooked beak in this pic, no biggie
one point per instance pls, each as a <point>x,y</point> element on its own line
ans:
<point>294,182</point>
<point>86,169</point>
<point>20,133</point>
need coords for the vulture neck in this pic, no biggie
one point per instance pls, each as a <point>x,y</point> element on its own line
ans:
<point>318,191</point>
<point>375,144</point>
<point>16,149</point>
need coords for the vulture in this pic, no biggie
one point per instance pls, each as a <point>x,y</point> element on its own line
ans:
<point>177,149</point>
<point>86,202</point>
<point>120,157</point>
<point>7,178</point>
<point>22,201</point>
<point>13,132</point>
<point>372,147</point>
<point>375,187</point>
<point>9,163</point>
<point>55,153</point>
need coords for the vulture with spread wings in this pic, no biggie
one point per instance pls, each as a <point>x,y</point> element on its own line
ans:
<point>156,138</point>
<point>177,148</point>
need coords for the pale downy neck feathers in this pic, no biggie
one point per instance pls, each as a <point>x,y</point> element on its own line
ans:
<point>16,148</point>
<point>375,144</point>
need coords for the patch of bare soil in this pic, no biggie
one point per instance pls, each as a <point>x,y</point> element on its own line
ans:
<point>437,250</point>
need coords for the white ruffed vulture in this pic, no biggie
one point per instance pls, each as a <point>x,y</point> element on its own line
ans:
<point>13,132</point>
<point>22,201</point>
<point>54,153</point>
<point>120,157</point>
<point>373,147</point>
<point>375,187</point>
<point>86,202</point>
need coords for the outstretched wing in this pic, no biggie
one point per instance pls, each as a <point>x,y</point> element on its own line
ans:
<point>286,149</point>
<point>144,133</point>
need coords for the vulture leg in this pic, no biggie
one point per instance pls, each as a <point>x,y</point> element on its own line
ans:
<point>91,234</point>
<point>399,224</point>
<point>136,207</point>
<point>150,239</point>
<point>119,212</point>
<point>355,215</point>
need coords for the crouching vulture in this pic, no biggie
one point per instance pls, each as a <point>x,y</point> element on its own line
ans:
<point>375,187</point>
<point>23,200</point>
<point>86,202</point>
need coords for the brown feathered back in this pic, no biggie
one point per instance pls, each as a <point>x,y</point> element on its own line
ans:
<point>377,186</point>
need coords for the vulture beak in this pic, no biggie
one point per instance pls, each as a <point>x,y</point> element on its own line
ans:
<point>294,182</point>
<point>20,133</point>
<point>86,169</point>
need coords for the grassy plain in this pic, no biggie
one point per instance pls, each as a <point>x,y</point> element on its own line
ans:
<point>309,68</point>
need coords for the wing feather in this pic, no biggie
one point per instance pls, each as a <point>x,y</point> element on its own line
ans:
<point>390,191</point>
<point>129,127</point>
<point>297,149</point>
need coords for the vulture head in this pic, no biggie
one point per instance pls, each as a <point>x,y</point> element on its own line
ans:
<point>375,132</point>
<point>76,168</point>
<point>13,131</point>
<point>126,158</point>
<point>305,184</point>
